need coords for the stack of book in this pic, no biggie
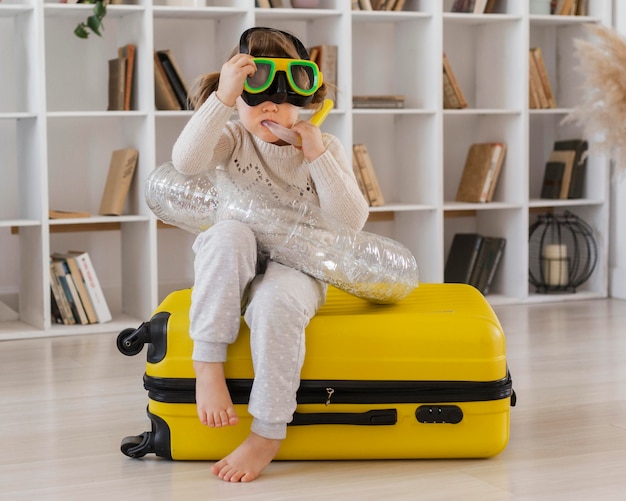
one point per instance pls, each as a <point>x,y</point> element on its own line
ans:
<point>366,176</point>
<point>540,94</point>
<point>481,172</point>
<point>170,88</point>
<point>77,296</point>
<point>565,172</point>
<point>473,259</point>
<point>122,79</point>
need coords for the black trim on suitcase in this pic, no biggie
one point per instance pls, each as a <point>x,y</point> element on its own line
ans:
<point>157,441</point>
<point>131,341</point>
<point>377,417</point>
<point>181,390</point>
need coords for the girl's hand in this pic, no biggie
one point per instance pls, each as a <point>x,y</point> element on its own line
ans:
<point>232,76</point>
<point>312,143</point>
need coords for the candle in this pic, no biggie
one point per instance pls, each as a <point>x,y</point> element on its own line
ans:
<point>555,265</point>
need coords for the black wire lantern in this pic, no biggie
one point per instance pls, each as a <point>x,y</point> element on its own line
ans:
<point>562,252</point>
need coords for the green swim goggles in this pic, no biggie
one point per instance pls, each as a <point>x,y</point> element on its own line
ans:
<point>303,76</point>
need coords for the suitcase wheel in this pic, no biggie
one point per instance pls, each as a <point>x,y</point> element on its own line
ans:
<point>129,343</point>
<point>137,446</point>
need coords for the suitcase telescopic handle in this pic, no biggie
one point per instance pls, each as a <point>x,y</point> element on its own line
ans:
<point>377,417</point>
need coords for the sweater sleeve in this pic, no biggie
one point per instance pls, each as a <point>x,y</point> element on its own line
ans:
<point>204,142</point>
<point>337,188</point>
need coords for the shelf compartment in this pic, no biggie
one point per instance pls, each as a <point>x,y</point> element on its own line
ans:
<point>460,131</point>
<point>77,70</point>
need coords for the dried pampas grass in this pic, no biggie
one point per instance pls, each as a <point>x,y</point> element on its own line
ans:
<point>602,111</point>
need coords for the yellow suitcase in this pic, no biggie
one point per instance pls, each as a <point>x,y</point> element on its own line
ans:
<point>423,378</point>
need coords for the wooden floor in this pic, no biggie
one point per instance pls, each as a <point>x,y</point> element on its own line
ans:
<point>67,402</point>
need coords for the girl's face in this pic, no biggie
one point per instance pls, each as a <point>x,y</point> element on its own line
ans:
<point>284,114</point>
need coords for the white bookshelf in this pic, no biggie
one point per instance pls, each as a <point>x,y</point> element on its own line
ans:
<point>56,136</point>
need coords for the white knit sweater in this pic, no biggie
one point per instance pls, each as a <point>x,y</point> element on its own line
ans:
<point>210,141</point>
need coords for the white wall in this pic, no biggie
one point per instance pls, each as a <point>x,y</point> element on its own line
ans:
<point>617,250</point>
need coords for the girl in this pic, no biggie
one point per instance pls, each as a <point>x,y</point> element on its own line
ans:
<point>270,78</point>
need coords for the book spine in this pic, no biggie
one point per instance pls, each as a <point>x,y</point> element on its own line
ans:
<point>82,290</point>
<point>59,295</point>
<point>67,291</point>
<point>93,287</point>
<point>491,173</point>
<point>492,266</point>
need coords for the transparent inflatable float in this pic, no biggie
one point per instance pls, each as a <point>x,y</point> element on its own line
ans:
<point>364,264</point>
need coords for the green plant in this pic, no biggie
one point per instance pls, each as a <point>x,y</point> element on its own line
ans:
<point>93,22</point>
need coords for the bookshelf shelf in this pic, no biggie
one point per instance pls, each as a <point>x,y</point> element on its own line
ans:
<point>78,10</point>
<point>14,10</point>
<point>56,136</point>
<point>170,12</point>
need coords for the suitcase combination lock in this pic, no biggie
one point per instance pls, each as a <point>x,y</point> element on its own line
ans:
<point>439,414</point>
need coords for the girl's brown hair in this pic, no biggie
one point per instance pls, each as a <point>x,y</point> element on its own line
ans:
<point>268,43</point>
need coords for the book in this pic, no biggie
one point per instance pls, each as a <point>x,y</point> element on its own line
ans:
<point>462,6</point>
<point>117,84</point>
<point>121,171</point>
<point>567,157</point>
<point>127,53</point>
<point>62,303</point>
<point>79,282</point>
<point>543,76</point>
<point>462,257</point>
<point>325,56</point>
<point>479,6</point>
<point>359,177</point>
<point>579,169</point>
<point>164,97</point>
<point>378,101</point>
<point>552,180</point>
<point>70,291</point>
<point>582,8</point>
<point>565,8</point>
<point>491,6</point>
<point>453,97</point>
<point>489,255</point>
<point>370,180</point>
<point>67,214</point>
<point>263,4</point>
<point>175,77</point>
<point>481,172</point>
<point>55,313</point>
<point>538,96</point>
<point>92,284</point>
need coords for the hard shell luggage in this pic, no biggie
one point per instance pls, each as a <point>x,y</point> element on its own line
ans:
<point>423,378</point>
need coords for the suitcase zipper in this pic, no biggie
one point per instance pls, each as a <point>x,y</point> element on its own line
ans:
<point>179,390</point>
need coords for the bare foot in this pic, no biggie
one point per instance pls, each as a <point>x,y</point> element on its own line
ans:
<point>247,462</point>
<point>215,407</point>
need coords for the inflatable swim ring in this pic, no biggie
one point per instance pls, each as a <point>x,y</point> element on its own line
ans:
<point>364,264</point>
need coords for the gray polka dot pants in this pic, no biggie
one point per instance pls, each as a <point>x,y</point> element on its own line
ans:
<point>277,304</point>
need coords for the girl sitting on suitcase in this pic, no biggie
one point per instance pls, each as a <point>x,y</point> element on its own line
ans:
<point>269,77</point>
